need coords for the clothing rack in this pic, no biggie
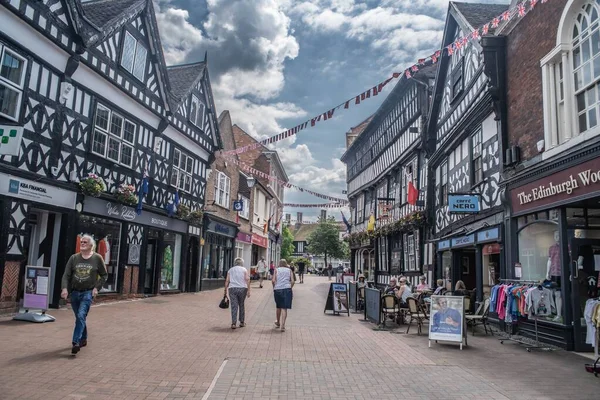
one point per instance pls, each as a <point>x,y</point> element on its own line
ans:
<point>510,337</point>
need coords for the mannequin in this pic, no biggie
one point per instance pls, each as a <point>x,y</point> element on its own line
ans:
<point>553,266</point>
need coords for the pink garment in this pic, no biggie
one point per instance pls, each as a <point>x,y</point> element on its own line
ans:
<point>501,307</point>
<point>422,286</point>
<point>554,254</point>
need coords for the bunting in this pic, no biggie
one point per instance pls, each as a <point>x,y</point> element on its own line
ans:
<point>324,205</point>
<point>518,11</point>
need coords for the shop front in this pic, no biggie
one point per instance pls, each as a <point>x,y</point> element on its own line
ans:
<point>143,253</point>
<point>243,248</point>
<point>260,246</point>
<point>555,242</point>
<point>218,251</point>
<point>473,258</point>
<point>34,217</point>
<point>274,248</point>
<point>363,258</point>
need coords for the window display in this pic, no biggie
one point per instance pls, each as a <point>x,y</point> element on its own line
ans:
<point>171,262</point>
<point>107,234</point>
<point>539,252</point>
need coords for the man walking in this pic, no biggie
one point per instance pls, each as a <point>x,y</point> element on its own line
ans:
<point>262,270</point>
<point>301,266</point>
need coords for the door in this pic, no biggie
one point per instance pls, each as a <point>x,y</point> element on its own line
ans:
<point>150,277</point>
<point>584,284</point>
<point>193,264</point>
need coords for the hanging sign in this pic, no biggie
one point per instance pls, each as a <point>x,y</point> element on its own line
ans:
<point>464,203</point>
<point>337,299</point>
<point>447,319</point>
<point>37,286</point>
<point>10,140</point>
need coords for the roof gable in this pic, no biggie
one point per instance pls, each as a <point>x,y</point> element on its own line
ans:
<point>183,79</point>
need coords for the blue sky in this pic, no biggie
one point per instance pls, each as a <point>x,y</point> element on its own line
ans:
<point>275,63</point>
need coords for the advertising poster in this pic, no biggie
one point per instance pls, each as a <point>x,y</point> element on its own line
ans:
<point>447,318</point>
<point>340,298</point>
<point>37,281</point>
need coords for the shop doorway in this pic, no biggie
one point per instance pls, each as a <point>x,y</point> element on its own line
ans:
<point>150,270</point>
<point>44,234</point>
<point>193,264</point>
<point>585,272</point>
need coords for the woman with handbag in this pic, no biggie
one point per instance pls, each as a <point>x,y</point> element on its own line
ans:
<point>283,282</point>
<point>238,283</point>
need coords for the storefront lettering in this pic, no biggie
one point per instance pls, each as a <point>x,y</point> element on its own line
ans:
<point>551,189</point>
<point>158,221</point>
<point>222,229</point>
<point>124,212</point>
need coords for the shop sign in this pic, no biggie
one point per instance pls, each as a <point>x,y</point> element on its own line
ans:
<point>244,237</point>
<point>109,209</point>
<point>463,241</point>
<point>221,229</point>
<point>443,245</point>
<point>35,191</point>
<point>260,241</point>
<point>464,203</point>
<point>568,185</point>
<point>493,248</point>
<point>489,235</point>
<point>37,284</point>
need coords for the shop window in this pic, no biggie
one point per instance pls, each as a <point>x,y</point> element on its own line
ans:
<point>222,186</point>
<point>447,269</point>
<point>477,163</point>
<point>171,262</point>
<point>410,263</point>
<point>539,252</point>
<point>575,217</point>
<point>107,234</point>
<point>197,112</point>
<point>183,167</point>
<point>593,218</point>
<point>133,58</point>
<point>12,80</point>
<point>239,250</point>
<point>114,136</point>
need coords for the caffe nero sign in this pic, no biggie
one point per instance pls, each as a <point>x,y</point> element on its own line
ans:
<point>116,210</point>
<point>571,184</point>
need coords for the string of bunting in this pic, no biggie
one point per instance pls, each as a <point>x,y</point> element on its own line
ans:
<point>253,171</point>
<point>518,11</point>
<point>324,205</point>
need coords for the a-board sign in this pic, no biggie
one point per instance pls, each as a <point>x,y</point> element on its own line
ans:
<point>353,295</point>
<point>337,299</point>
<point>37,285</point>
<point>373,305</point>
<point>447,319</point>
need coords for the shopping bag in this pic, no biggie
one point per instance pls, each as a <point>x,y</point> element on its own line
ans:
<point>224,303</point>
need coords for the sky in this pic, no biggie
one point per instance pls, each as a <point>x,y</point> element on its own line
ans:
<point>275,63</point>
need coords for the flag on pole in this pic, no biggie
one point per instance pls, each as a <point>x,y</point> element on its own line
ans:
<point>345,221</point>
<point>142,192</point>
<point>413,194</point>
<point>172,207</point>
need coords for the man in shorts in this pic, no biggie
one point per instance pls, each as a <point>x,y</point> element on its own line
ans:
<point>262,270</point>
<point>301,266</point>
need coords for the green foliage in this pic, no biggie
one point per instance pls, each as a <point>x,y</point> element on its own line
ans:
<point>307,263</point>
<point>287,245</point>
<point>325,240</point>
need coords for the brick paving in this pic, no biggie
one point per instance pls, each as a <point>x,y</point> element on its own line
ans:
<point>172,347</point>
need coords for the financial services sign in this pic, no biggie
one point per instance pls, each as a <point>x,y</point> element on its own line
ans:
<point>464,203</point>
<point>26,189</point>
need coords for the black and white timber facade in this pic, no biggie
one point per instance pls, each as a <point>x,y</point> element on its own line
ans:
<point>465,146</point>
<point>87,83</point>
<point>381,161</point>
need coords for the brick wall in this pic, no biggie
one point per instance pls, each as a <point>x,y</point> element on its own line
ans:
<point>527,44</point>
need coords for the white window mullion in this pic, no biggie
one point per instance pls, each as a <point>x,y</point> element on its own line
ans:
<point>570,107</point>
<point>552,121</point>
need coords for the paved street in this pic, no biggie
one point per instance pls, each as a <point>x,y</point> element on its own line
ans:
<point>181,346</point>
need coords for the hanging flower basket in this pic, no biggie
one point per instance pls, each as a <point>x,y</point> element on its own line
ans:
<point>126,194</point>
<point>183,211</point>
<point>92,185</point>
<point>195,217</point>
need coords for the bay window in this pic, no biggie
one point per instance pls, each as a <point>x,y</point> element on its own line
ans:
<point>114,136</point>
<point>12,80</point>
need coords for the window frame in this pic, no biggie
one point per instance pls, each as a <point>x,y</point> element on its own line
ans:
<point>443,184</point>
<point>477,157</point>
<point>246,207</point>
<point>109,135</point>
<point>457,76</point>
<point>18,88</point>
<point>178,170</point>
<point>195,101</point>
<point>224,191</point>
<point>138,43</point>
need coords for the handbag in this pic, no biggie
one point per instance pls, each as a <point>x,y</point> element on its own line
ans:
<point>224,302</point>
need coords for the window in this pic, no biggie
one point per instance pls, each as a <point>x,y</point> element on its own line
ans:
<point>133,58</point>
<point>222,183</point>
<point>360,204</point>
<point>383,253</point>
<point>197,112</point>
<point>245,213</point>
<point>107,234</point>
<point>170,264</point>
<point>444,184</point>
<point>477,165</point>
<point>114,136</point>
<point>239,250</point>
<point>12,79</point>
<point>183,166</point>
<point>457,79</point>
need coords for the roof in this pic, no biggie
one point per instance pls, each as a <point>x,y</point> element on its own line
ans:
<point>358,129</point>
<point>182,78</point>
<point>101,12</point>
<point>478,14</point>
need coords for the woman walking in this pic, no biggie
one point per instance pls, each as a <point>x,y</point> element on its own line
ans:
<point>84,275</point>
<point>238,283</point>
<point>283,282</point>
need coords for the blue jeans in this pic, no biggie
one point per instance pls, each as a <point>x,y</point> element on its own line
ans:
<point>80,302</point>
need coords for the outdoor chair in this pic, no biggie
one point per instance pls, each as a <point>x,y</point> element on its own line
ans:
<point>480,317</point>
<point>417,313</point>
<point>361,299</point>
<point>467,303</point>
<point>390,307</point>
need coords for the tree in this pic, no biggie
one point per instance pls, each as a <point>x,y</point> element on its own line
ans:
<point>287,245</point>
<point>325,240</point>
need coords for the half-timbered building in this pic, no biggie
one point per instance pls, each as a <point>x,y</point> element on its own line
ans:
<point>382,162</point>
<point>87,93</point>
<point>464,132</point>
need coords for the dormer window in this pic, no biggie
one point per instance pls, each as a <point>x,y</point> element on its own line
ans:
<point>197,112</point>
<point>133,58</point>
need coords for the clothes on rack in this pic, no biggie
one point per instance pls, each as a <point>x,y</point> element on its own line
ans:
<point>592,320</point>
<point>513,300</point>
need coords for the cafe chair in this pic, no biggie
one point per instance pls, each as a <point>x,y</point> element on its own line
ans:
<point>389,307</point>
<point>417,313</point>
<point>480,317</point>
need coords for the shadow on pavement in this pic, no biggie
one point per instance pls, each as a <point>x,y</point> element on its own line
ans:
<point>64,353</point>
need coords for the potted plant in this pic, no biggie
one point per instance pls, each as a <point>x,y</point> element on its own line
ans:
<point>126,194</point>
<point>92,185</point>
<point>195,217</point>
<point>183,211</point>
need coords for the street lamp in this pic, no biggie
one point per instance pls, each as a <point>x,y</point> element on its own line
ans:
<point>250,181</point>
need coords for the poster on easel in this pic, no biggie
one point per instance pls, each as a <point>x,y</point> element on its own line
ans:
<point>337,299</point>
<point>36,295</point>
<point>447,318</point>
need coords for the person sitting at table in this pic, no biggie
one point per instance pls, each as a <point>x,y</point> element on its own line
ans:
<point>441,289</point>
<point>392,288</point>
<point>460,289</point>
<point>361,282</point>
<point>404,292</point>
<point>422,286</point>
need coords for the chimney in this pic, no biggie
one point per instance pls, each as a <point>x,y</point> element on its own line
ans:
<point>324,215</point>
<point>299,218</point>
<point>288,218</point>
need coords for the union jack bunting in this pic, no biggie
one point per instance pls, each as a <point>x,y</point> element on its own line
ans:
<point>495,22</point>
<point>521,9</point>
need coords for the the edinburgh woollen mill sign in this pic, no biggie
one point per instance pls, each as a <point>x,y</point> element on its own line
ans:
<point>569,185</point>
